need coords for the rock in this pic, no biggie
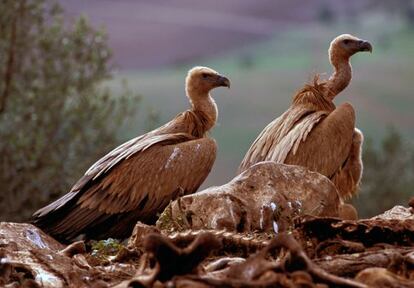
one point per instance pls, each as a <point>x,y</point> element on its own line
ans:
<point>222,264</point>
<point>73,249</point>
<point>30,258</point>
<point>381,277</point>
<point>266,197</point>
<point>26,235</point>
<point>367,231</point>
<point>396,213</point>
<point>25,247</point>
<point>175,260</point>
<point>139,233</point>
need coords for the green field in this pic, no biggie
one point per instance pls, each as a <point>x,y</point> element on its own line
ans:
<point>265,76</point>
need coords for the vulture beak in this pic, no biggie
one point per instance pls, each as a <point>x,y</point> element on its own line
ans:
<point>365,46</point>
<point>223,81</point>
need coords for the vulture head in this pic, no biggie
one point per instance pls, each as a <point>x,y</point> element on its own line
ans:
<point>346,45</point>
<point>200,80</point>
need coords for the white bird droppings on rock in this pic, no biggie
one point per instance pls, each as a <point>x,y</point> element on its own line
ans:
<point>33,236</point>
<point>273,206</point>
<point>47,279</point>
<point>275,227</point>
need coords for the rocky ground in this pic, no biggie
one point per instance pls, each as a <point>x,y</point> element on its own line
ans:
<point>265,236</point>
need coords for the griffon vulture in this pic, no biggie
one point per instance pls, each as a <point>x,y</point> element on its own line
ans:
<point>313,132</point>
<point>136,180</point>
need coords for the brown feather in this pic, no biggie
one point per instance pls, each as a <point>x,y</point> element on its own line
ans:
<point>133,186</point>
<point>313,132</point>
<point>143,168</point>
<point>328,144</point>
<point>136,180</point>
<point>319,139</point>
<point>314,96</point>
<point>288,130</point>
<point>348,178</point>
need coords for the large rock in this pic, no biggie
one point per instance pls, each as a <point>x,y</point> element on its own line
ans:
<point>26,248</point>
<point>266,197</point>
<point>397,212</point>
<point>31,258</point>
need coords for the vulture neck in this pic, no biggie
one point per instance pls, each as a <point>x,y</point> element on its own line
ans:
<point>341,77</point>
<point>203,105</point>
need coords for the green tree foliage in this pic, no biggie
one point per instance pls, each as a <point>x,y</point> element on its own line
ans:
<point>388,178</point>
<point>56,118</point>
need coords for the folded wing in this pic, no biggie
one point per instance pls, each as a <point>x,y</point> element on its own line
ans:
<point>134,181</point>
<point>282,136</point>
<point>328,144</point>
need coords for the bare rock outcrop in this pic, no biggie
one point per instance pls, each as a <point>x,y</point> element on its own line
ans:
<point>266,197</point>
<point>318,252</point>
<point>240,248</point>
<point>24,251</point>
<point>397,213</point>
<point>31,258</point>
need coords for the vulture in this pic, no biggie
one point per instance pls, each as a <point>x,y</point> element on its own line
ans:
<point>313,132</point>
<point>137,180</point>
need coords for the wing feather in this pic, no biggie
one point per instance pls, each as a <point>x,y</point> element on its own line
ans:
<point>295,137</point>
<point>136,186</point>
<point>328,144</point>
<point>265,146</point>
<point>348,178</point>
<point>319,140</point>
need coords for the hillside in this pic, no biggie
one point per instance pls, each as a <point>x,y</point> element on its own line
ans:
<point>156,34</point>
<point>266,75</point>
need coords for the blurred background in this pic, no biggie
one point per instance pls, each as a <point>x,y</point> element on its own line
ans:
<point>79,77</point>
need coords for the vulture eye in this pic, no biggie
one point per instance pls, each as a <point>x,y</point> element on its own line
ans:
<point>346,41</point>
<point>204,75</point>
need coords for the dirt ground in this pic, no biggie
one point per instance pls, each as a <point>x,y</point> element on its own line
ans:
<point>255,231</point>
<point>318,252</point>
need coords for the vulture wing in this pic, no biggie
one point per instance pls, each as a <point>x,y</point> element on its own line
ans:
<point>328,145</point>
<point>318,140</point>
<point>134,181</point>
<point>282,135</point>
<point>348,178</point>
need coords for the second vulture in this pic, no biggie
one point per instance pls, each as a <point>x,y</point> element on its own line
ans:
<point>313,132</point>
<point>136,180</point>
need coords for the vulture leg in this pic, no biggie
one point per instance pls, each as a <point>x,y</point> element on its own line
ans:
<point>348,178</point>
<point>328,144</point>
